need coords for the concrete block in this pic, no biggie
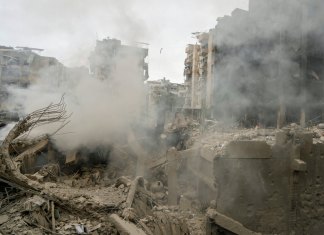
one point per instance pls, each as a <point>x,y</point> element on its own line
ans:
<point>125,227</point>
<point>3,219</point>
<point>229,223</point>
<point>248,149</point>
<point>71,157</point>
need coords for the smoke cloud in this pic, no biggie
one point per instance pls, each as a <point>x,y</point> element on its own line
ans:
<point>260,59</point>
<point>103,112</point>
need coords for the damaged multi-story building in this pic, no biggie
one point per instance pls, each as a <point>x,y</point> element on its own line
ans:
<point>22,66</point>
<point>164,99</point>
<point>109,52</point>
<point>261,66</point>
<point>198,76</point>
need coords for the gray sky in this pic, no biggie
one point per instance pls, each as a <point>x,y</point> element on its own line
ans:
<point>67,29</point>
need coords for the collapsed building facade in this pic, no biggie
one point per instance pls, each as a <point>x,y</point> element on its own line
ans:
<point>103,60</point>
<point>164,99</point>
<point>260,70</point>
<point>254,64</point>
<point>89,190</point>
<point>21,67</point>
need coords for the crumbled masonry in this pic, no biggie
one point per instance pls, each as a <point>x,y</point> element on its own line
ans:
<point>66,197</point>
<point>238,149</point>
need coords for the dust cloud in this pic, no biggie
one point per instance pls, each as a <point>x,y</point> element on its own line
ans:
<point>102,112</point>
<point>260,58</point>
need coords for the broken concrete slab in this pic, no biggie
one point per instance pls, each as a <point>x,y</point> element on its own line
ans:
<point>33,203</point>
<point>125,227</point>
<point>3,219</point>
<point>228,223</point>
<point>138,182</point>
<point>70,157</point>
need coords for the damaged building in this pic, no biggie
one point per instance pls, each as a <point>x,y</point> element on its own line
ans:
<point>103,60</point>
<point>236,150</point>
<point>86,191</point>
<point>164,99</point>
<point>261,66</point>
<point>22,67</point>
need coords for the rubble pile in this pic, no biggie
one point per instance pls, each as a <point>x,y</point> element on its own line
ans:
<point>217,137</point>
<point>220,154</point>
<point>217,140</point>
<point>33,214</point>
<point>47,192</point>
<point>62,208</point>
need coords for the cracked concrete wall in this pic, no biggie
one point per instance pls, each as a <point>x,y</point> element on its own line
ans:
<point>270,195</point>
<point>255,191</point>
<point>310,212</point>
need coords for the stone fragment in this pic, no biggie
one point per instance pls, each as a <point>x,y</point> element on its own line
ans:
<point>3,219</point>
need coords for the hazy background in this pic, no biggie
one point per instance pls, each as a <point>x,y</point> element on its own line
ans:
<point>68,29</point>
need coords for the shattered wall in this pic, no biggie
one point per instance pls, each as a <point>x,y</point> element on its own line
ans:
<point>266,61</point>
<point>255,192</point>
<point>23,66</point>
<point>164,98</point>
<point>191,73</point>
<point>279,194</point>
<point>102,110</point>
<point>107,53</point>
<point>309,192</point>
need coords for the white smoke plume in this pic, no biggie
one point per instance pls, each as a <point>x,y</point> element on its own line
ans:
<point>259,60</point>
<point>102,111</point>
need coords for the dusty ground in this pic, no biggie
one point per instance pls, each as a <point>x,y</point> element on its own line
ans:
<point>27,213</point>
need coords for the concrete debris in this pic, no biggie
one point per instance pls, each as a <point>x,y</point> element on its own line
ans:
<point>49,171</point>
<point>3,219</point>
<point>33,203</point>
<point>80,229</point>
<point>125,227</point>
<point>182,191</point>
<point>229,224</point>
<point>228,152</point>
<point>64,197</point>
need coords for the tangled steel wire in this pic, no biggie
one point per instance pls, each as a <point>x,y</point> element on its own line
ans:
<point>53,113</point>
